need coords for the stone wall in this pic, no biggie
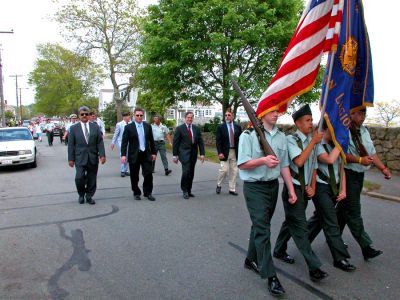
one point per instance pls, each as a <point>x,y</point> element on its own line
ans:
<point>386,141</point>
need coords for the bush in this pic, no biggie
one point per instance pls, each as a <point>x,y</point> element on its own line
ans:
<point>170,123</point>
<point>212,126</point>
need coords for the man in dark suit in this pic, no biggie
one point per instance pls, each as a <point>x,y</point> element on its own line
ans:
<point>137,147</point>
<point>85,149</point>
<point>227,140</point>
<point>187,143</point>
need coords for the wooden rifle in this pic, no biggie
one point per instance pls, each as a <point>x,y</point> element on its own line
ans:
<point>257,125</point>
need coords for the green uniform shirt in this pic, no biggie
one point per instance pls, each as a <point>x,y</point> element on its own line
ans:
<point>249,148</point>
<point>369,146</point>
<point>159,131</point>
<point>324,167</point>
<point>294,151</point>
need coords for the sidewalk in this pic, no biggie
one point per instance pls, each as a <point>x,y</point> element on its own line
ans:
<point>389,189</point>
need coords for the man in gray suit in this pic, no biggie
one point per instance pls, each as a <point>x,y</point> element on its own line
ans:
<point>85,150</point>
<point>117,139</point>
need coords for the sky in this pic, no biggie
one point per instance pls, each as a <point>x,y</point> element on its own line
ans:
<point>30,22</point>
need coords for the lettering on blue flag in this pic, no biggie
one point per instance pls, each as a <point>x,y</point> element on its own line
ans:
<point>351,87</point>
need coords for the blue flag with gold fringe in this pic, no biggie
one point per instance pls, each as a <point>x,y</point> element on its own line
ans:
<point>351,87</point>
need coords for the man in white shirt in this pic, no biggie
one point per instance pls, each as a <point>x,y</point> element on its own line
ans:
<point>98,121</point>
<point>160,132</point>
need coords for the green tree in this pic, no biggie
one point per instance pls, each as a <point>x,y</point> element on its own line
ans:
<point>191,48</point>
<point>109,30</point>
<point>63,81</point>
<point>109,114</point>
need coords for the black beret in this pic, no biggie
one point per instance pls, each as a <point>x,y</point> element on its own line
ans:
<point>302,111</point>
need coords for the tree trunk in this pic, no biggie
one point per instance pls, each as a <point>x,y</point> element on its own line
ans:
<point>116,97</point>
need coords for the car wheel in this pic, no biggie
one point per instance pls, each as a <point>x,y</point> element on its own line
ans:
<point>34,163</point>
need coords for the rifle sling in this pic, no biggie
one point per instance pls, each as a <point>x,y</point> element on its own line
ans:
<point>300,175</point>
<point>331,179</point>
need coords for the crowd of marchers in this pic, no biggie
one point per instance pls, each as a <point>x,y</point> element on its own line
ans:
<point>308,161</point>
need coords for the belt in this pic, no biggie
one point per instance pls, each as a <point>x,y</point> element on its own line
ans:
<point>262,182</point>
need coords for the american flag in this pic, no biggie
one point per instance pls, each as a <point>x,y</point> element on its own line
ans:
<point>316,33</point>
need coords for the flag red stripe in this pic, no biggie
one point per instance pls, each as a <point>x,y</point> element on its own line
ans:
<point>282,97</point>
<point>296,63</point>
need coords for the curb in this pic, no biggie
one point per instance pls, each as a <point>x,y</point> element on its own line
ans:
<point>382,196</point>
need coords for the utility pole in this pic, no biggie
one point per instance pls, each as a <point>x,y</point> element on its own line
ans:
<point>3,107</point>
<point>16,91</point>
<point>20,101</point>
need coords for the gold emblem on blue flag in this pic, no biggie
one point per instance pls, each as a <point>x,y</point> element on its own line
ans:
<point>348,56</point>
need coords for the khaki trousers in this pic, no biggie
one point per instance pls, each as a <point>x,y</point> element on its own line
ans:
<point>229,166</point>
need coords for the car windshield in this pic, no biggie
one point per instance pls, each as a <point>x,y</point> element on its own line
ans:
<point>15,135</point>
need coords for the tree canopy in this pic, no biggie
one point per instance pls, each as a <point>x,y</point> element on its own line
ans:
<point>109,31</point>
<point>63,80</point>
<point>192,48</point>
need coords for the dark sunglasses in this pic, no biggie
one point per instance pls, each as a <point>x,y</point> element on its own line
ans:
<point>84,114</point>
<point>139,115</point>
<point>228,115</point>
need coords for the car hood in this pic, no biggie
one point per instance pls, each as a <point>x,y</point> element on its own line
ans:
<point>17,145</point>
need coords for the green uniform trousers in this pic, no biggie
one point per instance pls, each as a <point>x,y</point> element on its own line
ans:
<point>325,216</point>
<point>261,198</point>
<point>295,225</point>
<point>160,147</point>
<point>349,210</point>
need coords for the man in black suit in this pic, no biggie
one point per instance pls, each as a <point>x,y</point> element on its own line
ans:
<point>187,143</point>
<point>227,140</point>
<point>137,147</point>
<point>85,149</point>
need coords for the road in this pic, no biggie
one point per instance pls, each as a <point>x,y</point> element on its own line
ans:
<point>54,248</point>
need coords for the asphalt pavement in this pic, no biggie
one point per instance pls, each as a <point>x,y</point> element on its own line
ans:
<point>54,248</point>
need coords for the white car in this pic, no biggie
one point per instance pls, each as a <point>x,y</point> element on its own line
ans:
<point>17,147</point>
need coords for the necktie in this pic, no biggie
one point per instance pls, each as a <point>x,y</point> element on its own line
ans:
<point>86,134</point>
<point>231,136</point>
<point>190,134</point>
<point>141,137</point>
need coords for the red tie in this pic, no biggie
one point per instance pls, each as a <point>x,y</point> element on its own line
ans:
<point>190,134</point>
<point>231,135</point>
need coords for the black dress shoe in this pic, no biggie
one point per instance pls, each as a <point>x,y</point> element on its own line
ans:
<point>317,275</point>
<point>81,199</point>
<point>122,174</point>
<point>191,195</point>
<point>137,197</point>
<point>127,173</point>
<point>218,190</point>
<point>285,258</point>
<point>275,287</point>
<point>369,252</point>
<point>186,196</point>
<point>233,193</point>
<point>344,265</point>
<point>150,197</point>
<point>167,172</point>
<point>90,200</point>
<point>251,265</point>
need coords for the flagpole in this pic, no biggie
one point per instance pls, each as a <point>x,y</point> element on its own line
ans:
<point>314,158</point>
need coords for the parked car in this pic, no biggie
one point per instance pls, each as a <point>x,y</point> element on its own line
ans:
<point>26,123</point>
<point>17,147</point>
